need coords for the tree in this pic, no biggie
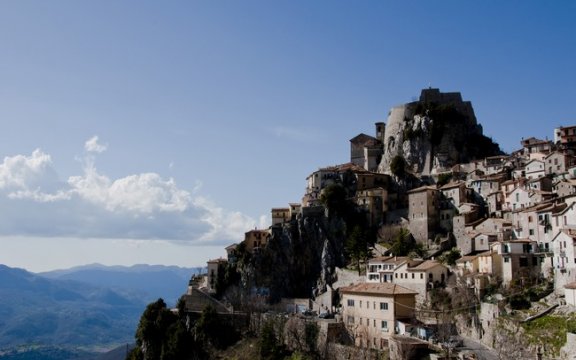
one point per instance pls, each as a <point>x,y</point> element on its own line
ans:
<point>357,246</point>
<point>450,257</point>
<point>404,245</point>
<point>333,197</point>
<point>162,335</point>
<point>211,330</point>
<point>398,166</point>
<point>270,345</point>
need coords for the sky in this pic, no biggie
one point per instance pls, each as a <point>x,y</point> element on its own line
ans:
<point>159,132</point>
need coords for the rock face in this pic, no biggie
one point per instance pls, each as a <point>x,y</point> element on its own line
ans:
<point>300,258</point>
<point>434,133</point>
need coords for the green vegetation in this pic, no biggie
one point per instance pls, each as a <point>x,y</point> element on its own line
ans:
<point>357,247</point>
<point>444,179</point>
<point>450,257</point>
<point>405,245</point>
<point>398,166</point>
<point>333,198</point>
<point>271,345</point>
<point>549,330</point>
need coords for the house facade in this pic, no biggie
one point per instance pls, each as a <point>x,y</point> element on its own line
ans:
<point>370,311</point>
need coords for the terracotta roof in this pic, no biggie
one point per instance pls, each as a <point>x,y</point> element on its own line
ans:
<point>377,289</point>
<point>422,188</point>
<point>453,184</point>
<point>466,258</point>
<point>425,265</point>
<point>390,259</point>
<point>485,253</point>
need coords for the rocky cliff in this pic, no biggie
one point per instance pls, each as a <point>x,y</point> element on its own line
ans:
<point>434,133</point>
<point>300,258</point>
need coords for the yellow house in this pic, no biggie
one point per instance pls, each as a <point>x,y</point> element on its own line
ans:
<point>371,311</point>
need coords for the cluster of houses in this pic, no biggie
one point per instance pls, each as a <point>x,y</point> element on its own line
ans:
<point>512,218</point>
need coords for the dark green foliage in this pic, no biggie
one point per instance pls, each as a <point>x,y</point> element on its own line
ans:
<point>358,246</point>
<point>519,302</point>
<point>211,330</point>
<point>311,331</point>
<point>333,198</point>
<point>398,166</point>
<point>444,179</point>
<point>450,257</point>
<point>271,347</point>
<point>404,245</point>
<point>164,336</point>
<point>228,275</point>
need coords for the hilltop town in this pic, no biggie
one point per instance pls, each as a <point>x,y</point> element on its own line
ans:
<point>426,240</point>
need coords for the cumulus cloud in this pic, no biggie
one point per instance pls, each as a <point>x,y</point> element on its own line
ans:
<point>92,145</point>
<point>137,206</point>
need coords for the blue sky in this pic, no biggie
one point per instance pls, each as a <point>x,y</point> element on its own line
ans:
<point>158,132</point>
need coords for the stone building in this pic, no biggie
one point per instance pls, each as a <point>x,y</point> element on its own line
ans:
<point>366,151</point>
<point>423,213</point>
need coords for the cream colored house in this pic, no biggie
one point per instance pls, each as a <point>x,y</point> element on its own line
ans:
<point>212,277</point>
<point>421,276</point>
<point>534,169</point>
<point>565,187</point>
<point>255,240</point>
<point>370,311</point>
<point>280,215</point>
<point>381,269</point>
<point>558,162</point>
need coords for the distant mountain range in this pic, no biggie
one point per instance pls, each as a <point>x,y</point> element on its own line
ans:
<point>148,282</point>
<point>59,314</point>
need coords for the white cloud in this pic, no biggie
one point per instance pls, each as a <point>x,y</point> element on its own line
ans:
<point>92,145</point>
<point>137,206</point>
<point>22,172</point>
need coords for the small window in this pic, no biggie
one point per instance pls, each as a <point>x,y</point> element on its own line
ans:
<point>350,302</point>
<point>412,275</point>
<point>384,326</point>
<point>506,259</point>
<point>421,276</point>
<point>383,306</point>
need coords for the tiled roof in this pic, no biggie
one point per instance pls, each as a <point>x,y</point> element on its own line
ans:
<point>425,265</point>
<point>377,289</point>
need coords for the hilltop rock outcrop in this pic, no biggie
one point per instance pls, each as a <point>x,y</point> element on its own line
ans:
<point>434,133</point>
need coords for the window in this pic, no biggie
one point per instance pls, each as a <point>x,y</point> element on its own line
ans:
<point>421,276</point>
<point>360,305</point>
<point>523,262</point>
<point>531,231</point>
<point>383,306</point>
<point>506,259</point>
<point>384,326</point>
<point>350,320</point>
<point>350,302</point>
<point>412,275</point>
